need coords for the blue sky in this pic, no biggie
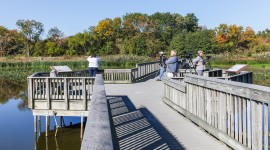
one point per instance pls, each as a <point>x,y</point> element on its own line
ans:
<point>72,16</point>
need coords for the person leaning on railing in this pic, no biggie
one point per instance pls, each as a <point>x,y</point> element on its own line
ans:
<point>93,65</point>
<point>172,64</point>
<point>162,65</point>
<point>199,63</point>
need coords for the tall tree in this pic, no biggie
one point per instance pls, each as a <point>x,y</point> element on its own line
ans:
<point>55,34</point>
<point>134,23</point>
<point>10,41</point>
<point>191,22</point>
<point>31,30</point>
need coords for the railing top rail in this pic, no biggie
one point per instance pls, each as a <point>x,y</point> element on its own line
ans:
<point>251,91</point>
<point>30,77</point>
<point>174,83</point>
<point>97,133</point>
<point>116,70</point>
<point>140,64</point>
<point>214,70</point>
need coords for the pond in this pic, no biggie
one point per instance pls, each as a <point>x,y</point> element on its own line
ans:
<point>17,123</point>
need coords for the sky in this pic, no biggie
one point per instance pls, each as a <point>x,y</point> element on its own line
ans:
<point>72,16</point>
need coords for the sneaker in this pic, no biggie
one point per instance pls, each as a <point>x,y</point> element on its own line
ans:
<point>158,80</point>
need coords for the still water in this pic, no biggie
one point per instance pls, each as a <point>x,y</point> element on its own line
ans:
<point>17,124</point>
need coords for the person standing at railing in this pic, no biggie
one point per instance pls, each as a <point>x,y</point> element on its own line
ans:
<point>162,65</point>
<point>93,64</point>
<point>172,64</point>
<point>199,63</point>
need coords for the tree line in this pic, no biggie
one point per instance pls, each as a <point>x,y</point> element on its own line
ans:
<point>134,34</point>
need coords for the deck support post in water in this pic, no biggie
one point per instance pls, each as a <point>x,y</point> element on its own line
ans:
<point>57,126</point>
<point>82,127</point>
<point>35,123</point>
<point>39,126</point>
<point>61,121</point>
<point>47,124</point>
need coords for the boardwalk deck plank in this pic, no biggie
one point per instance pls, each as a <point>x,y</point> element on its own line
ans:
<point>149,94</point>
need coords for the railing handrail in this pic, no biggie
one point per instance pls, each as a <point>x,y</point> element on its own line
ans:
<point>98,127</point>
<point>256,92</point>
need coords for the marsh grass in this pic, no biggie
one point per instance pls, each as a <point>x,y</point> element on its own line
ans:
<point>20,68</point>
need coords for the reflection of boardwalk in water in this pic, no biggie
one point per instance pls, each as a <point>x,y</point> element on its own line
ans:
<point>141,119</point>
<point>68,138</point>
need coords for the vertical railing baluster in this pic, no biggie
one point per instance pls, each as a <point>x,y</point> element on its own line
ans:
<point>265,134</point>
<point>48,93</point>
<point>84,94</point>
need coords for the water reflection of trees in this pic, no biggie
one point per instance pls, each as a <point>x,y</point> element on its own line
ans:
<point>13,90</point>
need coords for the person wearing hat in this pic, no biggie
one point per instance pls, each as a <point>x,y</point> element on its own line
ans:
<point>162,65</point>
<point>199,63</point>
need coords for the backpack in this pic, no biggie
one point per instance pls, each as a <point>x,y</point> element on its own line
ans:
<point>162,61</point>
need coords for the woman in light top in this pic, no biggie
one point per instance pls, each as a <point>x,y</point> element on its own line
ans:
<point>199,63</point>
<point>93,65</point>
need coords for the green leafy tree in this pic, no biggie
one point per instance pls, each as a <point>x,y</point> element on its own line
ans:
<point>187,42</point>
<point>41,48</point>
<point>31,30</point>
<point>55,34</point>
<point>178,44</point>
<point>53,49</point>
<point>191,22</point>
<point>81,43</point>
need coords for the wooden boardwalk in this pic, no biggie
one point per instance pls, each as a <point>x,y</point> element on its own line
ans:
<point>148,95</point>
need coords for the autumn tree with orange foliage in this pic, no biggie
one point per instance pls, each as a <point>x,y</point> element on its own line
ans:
<point>233,37</point>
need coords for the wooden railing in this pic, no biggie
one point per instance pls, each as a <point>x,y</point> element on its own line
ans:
<point>59,93</point>
<point>244,76</point>
<point>212,73</point>
<point>118,75</point>
<point>236,113</point>
<point>97,134</point>
<point>130,75</point>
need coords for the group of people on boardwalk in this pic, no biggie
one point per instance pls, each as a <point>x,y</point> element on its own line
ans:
<point>170,66</point>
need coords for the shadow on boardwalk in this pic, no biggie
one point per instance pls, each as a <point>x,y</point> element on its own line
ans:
<point>146,78</point>
<point>137,128</point>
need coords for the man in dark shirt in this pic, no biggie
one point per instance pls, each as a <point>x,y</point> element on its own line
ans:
<point>162,65</point>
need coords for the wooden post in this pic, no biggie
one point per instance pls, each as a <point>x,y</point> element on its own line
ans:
<point>47,143</point>
<point>259,125</point>
<point>249,123</point>
<point>39,125</point>
<point>229,113</point>
<point>48,93</point>
<point>84,94</point>
<point>47,125</point>
<point>35,123</point>
<point>265,126</point>
<point>244,122</point>
<point>240,120</point>
<point>30,93</point>
<point>66,92</point>
<point>254,119</point>
<point>81,127</point>
<point>236,117</point>
<point>61,121</point>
